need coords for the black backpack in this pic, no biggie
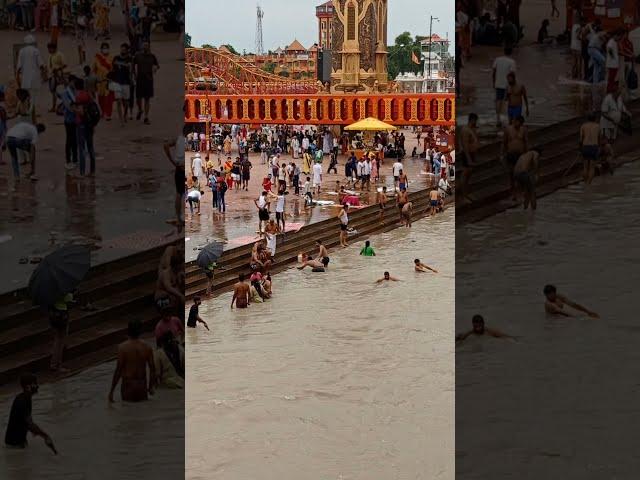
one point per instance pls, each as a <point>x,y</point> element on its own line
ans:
<point>92,114</point>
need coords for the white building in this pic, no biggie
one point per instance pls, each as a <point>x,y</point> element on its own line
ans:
<point>435,78</point>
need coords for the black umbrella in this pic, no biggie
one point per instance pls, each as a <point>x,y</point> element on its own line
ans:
<point>209,254</point>
<point>59,273</point>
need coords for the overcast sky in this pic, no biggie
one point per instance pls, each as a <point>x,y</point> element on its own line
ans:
<point>234,21</point>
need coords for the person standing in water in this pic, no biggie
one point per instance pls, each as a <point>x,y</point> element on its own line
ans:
<point>20,420</point>
<point>555,302</point>
<point>194,316</point>
<point>367,250</point>
<point>590,140</point>
<point>241,293</point>
<point>134,356</point>
<point>525,176</point>
<point>479,329</point>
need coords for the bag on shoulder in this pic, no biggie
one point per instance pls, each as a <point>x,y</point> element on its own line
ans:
<point>632,80</point>
<point>92,113</point>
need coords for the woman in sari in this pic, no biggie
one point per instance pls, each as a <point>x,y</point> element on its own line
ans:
<point>227,145</point>
<point>306,167</point>
<point>102,66</point>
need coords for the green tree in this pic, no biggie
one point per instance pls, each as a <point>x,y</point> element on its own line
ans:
<point>231,49</point>
<point>400,58</point>
<point>187,40</point>
<point>284,73</point>
<point>207,45</point>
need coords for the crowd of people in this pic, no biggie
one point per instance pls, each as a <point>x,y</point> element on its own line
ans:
<point>82,93</point>
<point>604,59</point>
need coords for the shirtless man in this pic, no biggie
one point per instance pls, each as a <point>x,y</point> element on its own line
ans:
<point>381,200</point>
<point>403,181</point>
<point>516,96</point>
<point>555,302</point>
<point>134,356</point>
<point>344,225</point>
<point>480,329</point>
<point>470,145</point>
<point>259,257</point>
<point>434,198</point>
<point>167,291</point>
<point>515,144</point>
<point>402,198</point>
<point>590,139</point>
<point>241,293</point>
<point>323,254</point>
<point>407,211</point>
<point>387,278</point>
<point>307,261</point>
<point>525,176</point>
<point>421,267</point>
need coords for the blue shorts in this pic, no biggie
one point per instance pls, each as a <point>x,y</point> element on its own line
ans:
<point>514,112</point>
<point>590,152</point>
<point>501,93</point>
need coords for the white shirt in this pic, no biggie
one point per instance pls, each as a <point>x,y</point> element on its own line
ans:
<point>262,202</point>
<point>196,166</point>
<point>613,59</point>
<point>307,187</point>
<point>24,131</point>
<point>317,174</point>
<point>360,168</point>
<point>29,64</point>
<point>576,44</point>
<point>282,174</point>
<point>280,204</point>
<point>367,168</point>
<point>612,109</point>
<point>503,66</point>
<point>396,169</point>
<point>194,195</point>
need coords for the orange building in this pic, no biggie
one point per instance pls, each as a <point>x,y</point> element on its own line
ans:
<point>296,60</point>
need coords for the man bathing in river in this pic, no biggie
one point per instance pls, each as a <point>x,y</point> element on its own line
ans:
<point>407,211</point>
<point>480,329</point>
<point>316,265</point>
<point>387,278</point>
<point>241,293</point>
<point>421,267</point>
<point>525,176</point>
<point>20,420</point>
<point>323,254</point>
<point>134,356</point>
<point>555,302</point>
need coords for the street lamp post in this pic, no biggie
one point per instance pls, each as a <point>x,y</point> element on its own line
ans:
<point>432,18</point>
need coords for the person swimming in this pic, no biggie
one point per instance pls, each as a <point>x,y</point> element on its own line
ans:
<point>421,267</point>
<point>387,278</point>
<point>308,261</point>
<point>555,302</point>
<point>480,329</point>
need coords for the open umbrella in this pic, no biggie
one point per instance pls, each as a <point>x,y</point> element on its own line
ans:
<point>209,254</point>
<point>59,273</point>
<point>370,124</point>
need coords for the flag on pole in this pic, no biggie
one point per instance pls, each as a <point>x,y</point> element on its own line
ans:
<point>414,58</point>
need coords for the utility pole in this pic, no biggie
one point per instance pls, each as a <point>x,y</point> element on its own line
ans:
<point>432,18</point>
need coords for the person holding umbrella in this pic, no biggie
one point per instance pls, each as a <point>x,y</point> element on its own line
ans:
<point>20,420</point>
<point>51,286</point>
<point>207,261</point>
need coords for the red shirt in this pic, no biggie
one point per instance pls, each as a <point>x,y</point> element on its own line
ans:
<point>171,324</point>
<point>82,98</point>
<point>266,184</point>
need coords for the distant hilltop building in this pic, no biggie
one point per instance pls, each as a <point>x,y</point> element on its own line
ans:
<point>294,61</point>
<point>437,75</point>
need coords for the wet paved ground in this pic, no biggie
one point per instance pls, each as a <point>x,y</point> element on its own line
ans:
<point>544,70</point>
<point>239,224</point>
<point>133,185</point>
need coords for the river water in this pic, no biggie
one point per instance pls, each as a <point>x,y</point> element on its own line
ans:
<point>333,378</point>
<point>95,440</point>
<point>562,401</point>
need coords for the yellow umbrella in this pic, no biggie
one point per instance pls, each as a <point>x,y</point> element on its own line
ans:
<point>370,124</point>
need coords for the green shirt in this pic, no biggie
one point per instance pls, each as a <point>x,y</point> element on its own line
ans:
<point>368,252</point>
<point>62,302</point>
